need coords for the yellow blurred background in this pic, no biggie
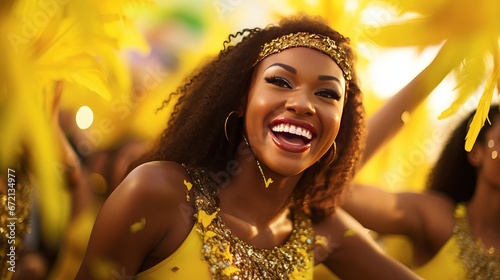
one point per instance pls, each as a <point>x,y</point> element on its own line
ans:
<point>117,60</point>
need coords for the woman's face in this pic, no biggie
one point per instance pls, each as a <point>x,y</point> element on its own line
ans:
<point>294,109</point>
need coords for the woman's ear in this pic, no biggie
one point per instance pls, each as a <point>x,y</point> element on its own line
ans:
<point>476,154</point>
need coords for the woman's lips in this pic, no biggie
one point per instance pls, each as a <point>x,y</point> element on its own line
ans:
<point>292,135</point>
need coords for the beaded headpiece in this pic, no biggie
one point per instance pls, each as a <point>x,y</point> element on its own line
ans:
<point>318,42</point>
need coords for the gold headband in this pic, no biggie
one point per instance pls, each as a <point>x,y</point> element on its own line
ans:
<point>314,41</point>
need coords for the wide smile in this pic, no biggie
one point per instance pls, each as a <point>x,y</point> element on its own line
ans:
<point>292,135</point>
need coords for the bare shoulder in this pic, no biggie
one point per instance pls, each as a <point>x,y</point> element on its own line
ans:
<point>435,211</point>
<point>422,211</point>
<point>336,233</point>
<point>342,240</point>
<point>142,221</point>
<point>155,191</point>
<point>438,202</point>
<point>156,172</point>
<point>156,185</point>
<point>154,178</point>
<point>427,200</point>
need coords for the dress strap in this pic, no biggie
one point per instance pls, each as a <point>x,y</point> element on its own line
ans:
<point>202,188</point>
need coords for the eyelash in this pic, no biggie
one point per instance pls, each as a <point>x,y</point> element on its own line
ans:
<point>328,93</point>
<point>284,83</point>
<point>279,81</point>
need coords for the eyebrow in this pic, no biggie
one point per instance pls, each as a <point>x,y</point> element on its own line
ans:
<point>284,66</point>
<point>294,71</point>
<point>328,78</point>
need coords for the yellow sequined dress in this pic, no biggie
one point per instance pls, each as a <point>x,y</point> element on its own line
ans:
<point>462,257</point>
<point>211,251</point>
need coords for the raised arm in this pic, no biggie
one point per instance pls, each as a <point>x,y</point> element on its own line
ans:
<point>376,208</point>
<point>386,122</point>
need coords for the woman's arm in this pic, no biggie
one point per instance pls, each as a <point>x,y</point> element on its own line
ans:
<point>386,122</point>
<point>353,254</point>
<point>378,209</point>
<point>386,212</point>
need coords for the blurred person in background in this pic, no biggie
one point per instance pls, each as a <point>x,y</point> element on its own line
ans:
<point>453,224</point>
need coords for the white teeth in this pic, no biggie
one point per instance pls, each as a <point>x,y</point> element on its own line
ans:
<point>306,133</point>
<point>292,129</point>
<point>299,131</point>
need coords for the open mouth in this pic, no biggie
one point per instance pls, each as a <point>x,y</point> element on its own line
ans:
<point>292,137</point>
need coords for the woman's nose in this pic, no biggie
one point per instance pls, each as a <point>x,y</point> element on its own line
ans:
<point>300,103</point>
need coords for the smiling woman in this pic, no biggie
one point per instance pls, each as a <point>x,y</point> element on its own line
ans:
<point>244,181</point>
<point>290,90</point>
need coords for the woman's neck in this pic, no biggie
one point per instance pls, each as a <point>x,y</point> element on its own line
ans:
<point>483,211</point>
<point>246,196</point>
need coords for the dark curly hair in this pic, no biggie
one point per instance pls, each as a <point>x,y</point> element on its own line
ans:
<point>453,175</point>
<point>195,132</point>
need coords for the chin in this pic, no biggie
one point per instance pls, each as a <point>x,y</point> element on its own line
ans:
<point>288,169</point>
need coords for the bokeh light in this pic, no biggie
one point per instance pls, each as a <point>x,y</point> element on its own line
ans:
<point>84,117</point>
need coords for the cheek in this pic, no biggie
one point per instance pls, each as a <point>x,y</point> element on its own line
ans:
<point>255,98</point>
<point>262,102</point>
<point>256,110</point>
<point>332,123</point>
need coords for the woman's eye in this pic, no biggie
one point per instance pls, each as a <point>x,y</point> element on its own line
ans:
<point>328,93</point>
<point>278,81</point>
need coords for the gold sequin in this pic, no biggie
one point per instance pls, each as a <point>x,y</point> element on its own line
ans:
<point>318,42</point>
<point>231,258</point>
<point>481,263</point>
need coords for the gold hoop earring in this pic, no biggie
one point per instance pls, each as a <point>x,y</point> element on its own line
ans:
<point>334,150</point>
<point>225,123</point>
<point>331,157</point>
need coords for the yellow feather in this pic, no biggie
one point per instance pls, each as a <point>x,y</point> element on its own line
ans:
<point>423,7</point>
<point>469,77</point>
<point>432,23</point>
<point>484,103</point>
<point>405,34</point>
<point>47,41</point>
